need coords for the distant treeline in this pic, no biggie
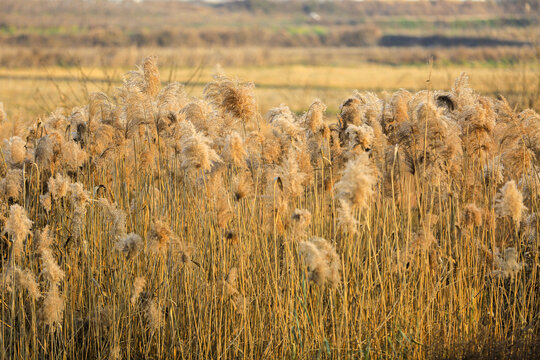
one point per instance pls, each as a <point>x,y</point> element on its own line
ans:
<point>366,35</point>
<point>446,41</point>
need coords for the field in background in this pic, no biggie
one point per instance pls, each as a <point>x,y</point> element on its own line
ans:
<point>31,92</point>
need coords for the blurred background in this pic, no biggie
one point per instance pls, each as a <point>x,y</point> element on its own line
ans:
<point>54,53</point>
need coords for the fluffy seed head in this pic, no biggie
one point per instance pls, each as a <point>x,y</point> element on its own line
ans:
<point>11,185</point>
<point>58,186</point>
<point>197,153</point>
<point>151,76</point>
<point>153,315</point>
<point>509,202</point>
<point>232,97</point>
<point>138,287</point>
<point>52,309</point>
<point>14,151</point>
<point>322,261</point>
<point>50,269</point>
<point>356,184</point>
<point>301,219</point>
<point>13,277</point>
<point>159,237</point>
<point>129,244</point>
<point>18,226</point>
<point>472,215</point>
<point>234,151</point>
<point>314,118</point>
<point>506,264</point>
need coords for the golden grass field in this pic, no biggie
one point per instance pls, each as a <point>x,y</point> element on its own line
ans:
<point>157,221</point>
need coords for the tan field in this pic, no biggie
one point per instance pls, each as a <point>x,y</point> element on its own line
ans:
<point>31,92</point>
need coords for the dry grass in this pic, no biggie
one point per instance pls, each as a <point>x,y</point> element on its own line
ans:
<point>150,224</point>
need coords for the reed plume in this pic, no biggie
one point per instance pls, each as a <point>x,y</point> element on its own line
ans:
<point>314,117</point>
<point>197,153</point>
<point>151,76</point>
<point>232,97</point>
<point>49,267</point>
<point>234,151</point>
<point>355,188</point>
<point>52,310</point>
<point>129,244</point>
<point>228,283</point>
<point>153,314</point>
<point>301,219</point>
<point>472,216</point>
<point>506,263</point>
<point>322,261</point>
<point>509,202</point>
<point>58,186</point>
<point>15,152</point>
<point>14,277</point>
<point>18,226</point>
<point>138,288</point>
<point>159,237</point>
<point>11,184</point>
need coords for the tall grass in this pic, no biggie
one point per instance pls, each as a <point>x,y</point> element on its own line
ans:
<point>148,224</point>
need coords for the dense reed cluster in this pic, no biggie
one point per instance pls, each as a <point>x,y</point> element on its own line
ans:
<point>149,224</point>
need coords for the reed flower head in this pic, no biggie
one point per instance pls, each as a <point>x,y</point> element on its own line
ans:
<point>58,186</point>
<point>506,263</point>
<point>360,137</point>
<point>301,219</point>
<point>223,209</point>
<point>509,202</point>
<point>129,244</point>
<point>291,176</point>
<point>234,151</point>
<point>151,76</point>
<point>46,202</point>
<point>14,151</point>
<point>243,185</point>
<point>117,217</point>
<point>197,153</point>
<point>346,219</point>
<point>50,269</point>
<point>52,309</point>
<point>18,226</point>
<point>322,261</point>
<point>11,185</point>
<point>356,183</point>
<point>314,117</point>
<point>232,97</point>
<point>493,172</point>
<point>13,277</point>
<point>472,215</point>
<point>283,120</point>
<point>138,288</point>
<point>159,237</point>
<point>153,314</point>
<point>73,157</point>
<point>228,284</point>
<point>100,108</point>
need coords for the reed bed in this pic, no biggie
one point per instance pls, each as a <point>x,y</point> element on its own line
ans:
<point>148,224</point>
